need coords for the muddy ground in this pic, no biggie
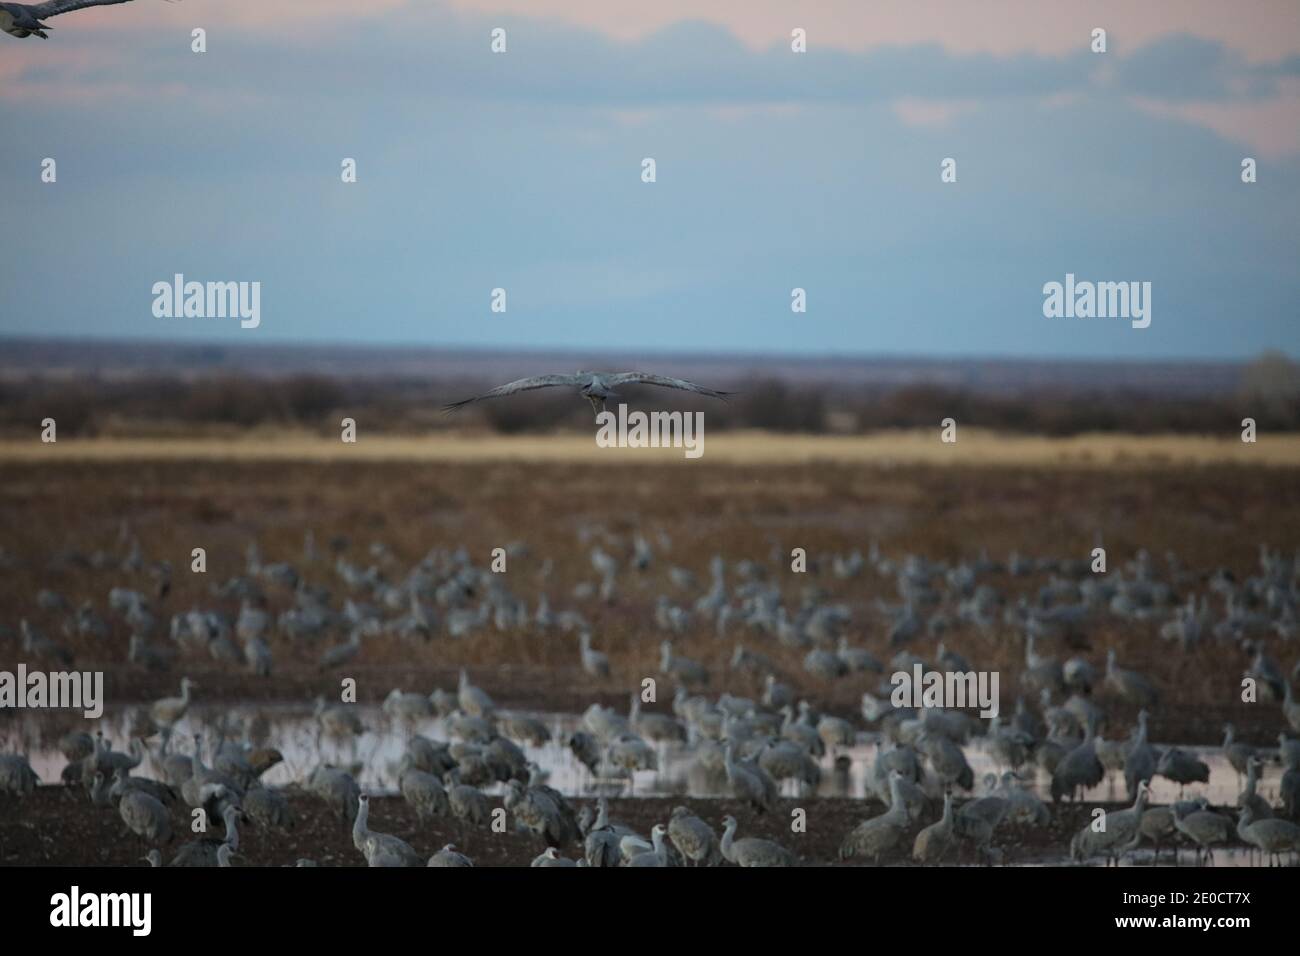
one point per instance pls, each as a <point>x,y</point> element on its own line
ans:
<point>58,827</point>
<point>56,516</point>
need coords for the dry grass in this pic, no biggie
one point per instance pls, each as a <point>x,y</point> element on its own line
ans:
<point>974,447</point>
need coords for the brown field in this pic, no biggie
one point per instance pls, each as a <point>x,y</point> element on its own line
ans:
<point>96,837</point>
<point>1212,503</point>
<point>748,495</point>
<point>975,447</point>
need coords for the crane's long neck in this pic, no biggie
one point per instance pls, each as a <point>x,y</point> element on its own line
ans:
<point>359,829</point>
<point>1243,824</point>
<point>896,804</point>
<point>728,837</point>
<point>232,828</point>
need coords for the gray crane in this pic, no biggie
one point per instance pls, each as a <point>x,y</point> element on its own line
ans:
<point>1119,834</point>
<point>168,711</point>
<point>124,783</point>
<point>423,791</point>
<point>685,670</point>
<point>1156,825</point>
<point>468,804</point>
<point>1290,707</point>
<point>341,654</point>
<point>540,814</point>
<point>788,760</point>
<point>1129,684</point>
<point>338,789</point>
<point>747,781</point>
<point>658,728</point>
<point>1079,768</point>
<point>947,760</point>
<point>752,851</point>
<point>1259,807</point>
<point>208,851</point>
<point>550,857</point>
<point>602,844</point>
<point>145,817</point>
<point>1023,807</point>
<point>595,387</point>
<point>593,662</point>
<point>935,841</point>
<point>473,700</point>
<point>205,783</point>
<point>267,808</point>
<point>1203,827</point>
<point>17,775</point>
<point>450,856</point>
<point>337,721</point>
<point>1271,836</point>
<point>880,834</point>
<point>380,849</point>
<point>1289,790</point>
<point>658,854</point>
<point>1238,753</point>
<point>694,839</point>
<point>1140,764</point>
<point>1182,767</point>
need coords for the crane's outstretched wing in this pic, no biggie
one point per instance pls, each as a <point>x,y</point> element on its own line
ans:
<point>523,385</point>
<point>52,8</point>
<point>645,378</point>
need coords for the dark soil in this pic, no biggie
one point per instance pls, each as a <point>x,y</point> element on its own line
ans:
<point>59,827</point>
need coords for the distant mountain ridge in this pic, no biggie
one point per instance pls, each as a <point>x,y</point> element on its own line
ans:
<point>22,358</point>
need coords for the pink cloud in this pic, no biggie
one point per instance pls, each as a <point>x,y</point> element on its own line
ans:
<point>1270,127</point>
<point>1260,30</point>
<point>925,112</point>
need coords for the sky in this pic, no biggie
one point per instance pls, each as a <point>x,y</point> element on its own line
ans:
<point>775,170</point>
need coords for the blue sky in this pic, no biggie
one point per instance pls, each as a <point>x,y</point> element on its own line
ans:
<point>775,170</point>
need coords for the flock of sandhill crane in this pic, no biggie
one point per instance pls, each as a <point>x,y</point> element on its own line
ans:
<point>748,747</point>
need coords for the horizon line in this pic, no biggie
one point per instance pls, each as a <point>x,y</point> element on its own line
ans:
<point>766,355</point>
